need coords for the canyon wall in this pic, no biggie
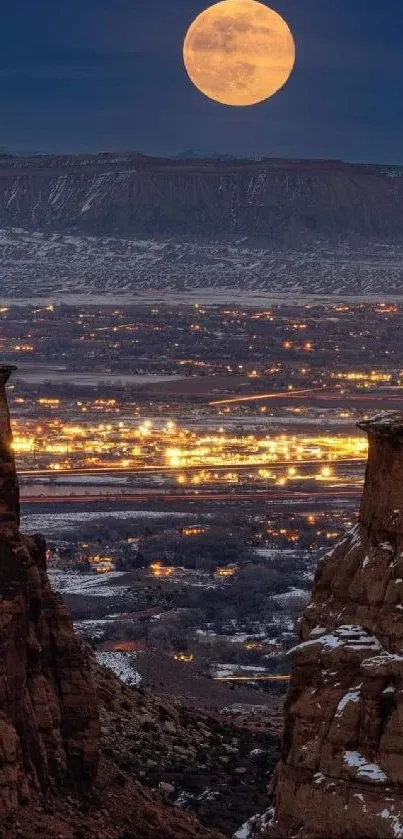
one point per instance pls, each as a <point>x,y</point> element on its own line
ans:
<point>56,781</point>
<point>49,728</point>
<point>341,770</point>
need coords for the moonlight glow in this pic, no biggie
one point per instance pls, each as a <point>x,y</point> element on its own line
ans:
<point>239,52</point>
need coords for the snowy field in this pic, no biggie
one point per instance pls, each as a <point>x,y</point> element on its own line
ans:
<point>44,266</point>
<point>204,296</point>
<point>54,374</point>
<point>48,523</point>
<point>222,671</point>
<point>274,553</point>
<point>122,666</point>
<point>94,629</point>
<point>92,585</point>
<point>289,595</point>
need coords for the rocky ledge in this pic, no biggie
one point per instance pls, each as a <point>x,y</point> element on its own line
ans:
<point>341,768</point>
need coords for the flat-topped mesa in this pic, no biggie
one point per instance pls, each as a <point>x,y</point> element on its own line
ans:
<point>9,491</point>
<point>381,507</point>
<point>341,768</point>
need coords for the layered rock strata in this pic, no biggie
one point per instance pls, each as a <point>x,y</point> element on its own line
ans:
<point>275,202</point>
<point>341,769</point>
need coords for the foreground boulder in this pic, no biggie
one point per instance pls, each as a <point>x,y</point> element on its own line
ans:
<point>341,769</point>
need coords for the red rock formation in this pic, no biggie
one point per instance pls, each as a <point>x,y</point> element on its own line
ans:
<point>53,782</point>
<point>9,495</point>
<point>341,771</point>
<point>49,726</point>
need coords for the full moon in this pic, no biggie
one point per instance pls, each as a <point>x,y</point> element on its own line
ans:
<point>239,52</point>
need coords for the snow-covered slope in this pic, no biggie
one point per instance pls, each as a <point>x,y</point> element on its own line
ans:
<point>126,223</point>
<point>34,264</point>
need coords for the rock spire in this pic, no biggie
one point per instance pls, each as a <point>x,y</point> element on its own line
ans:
<point>49,728</point>
<point>9,495</point>
<point>341,768</point>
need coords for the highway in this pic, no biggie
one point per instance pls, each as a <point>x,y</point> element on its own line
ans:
<point>257,396</point>
<point>111,469</point>
<point>321,395</point>
<point>172,496</point>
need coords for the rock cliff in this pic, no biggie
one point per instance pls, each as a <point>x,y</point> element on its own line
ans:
<point>55,781</point>
<point>273,201</point>
<point>341,768</point>
<point>49,726</point>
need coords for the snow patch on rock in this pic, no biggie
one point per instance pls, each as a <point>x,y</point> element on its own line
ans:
<point>351,696</point>
<point>121,664</point>
<point>365,770</point>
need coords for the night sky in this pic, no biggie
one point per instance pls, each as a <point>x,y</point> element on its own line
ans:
<point>95,75</point>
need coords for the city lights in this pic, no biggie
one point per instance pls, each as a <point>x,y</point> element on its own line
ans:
<point>171,448</point>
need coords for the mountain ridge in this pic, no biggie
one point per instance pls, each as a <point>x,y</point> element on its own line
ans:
<point>272,225</point>
<point>267,200</point>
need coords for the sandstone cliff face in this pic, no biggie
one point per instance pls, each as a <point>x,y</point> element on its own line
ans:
<point>341,770</point>
<point>49,726</point>
<point>55,781</point>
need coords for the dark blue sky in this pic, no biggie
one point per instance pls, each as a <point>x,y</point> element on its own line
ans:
<point>92,75</point>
